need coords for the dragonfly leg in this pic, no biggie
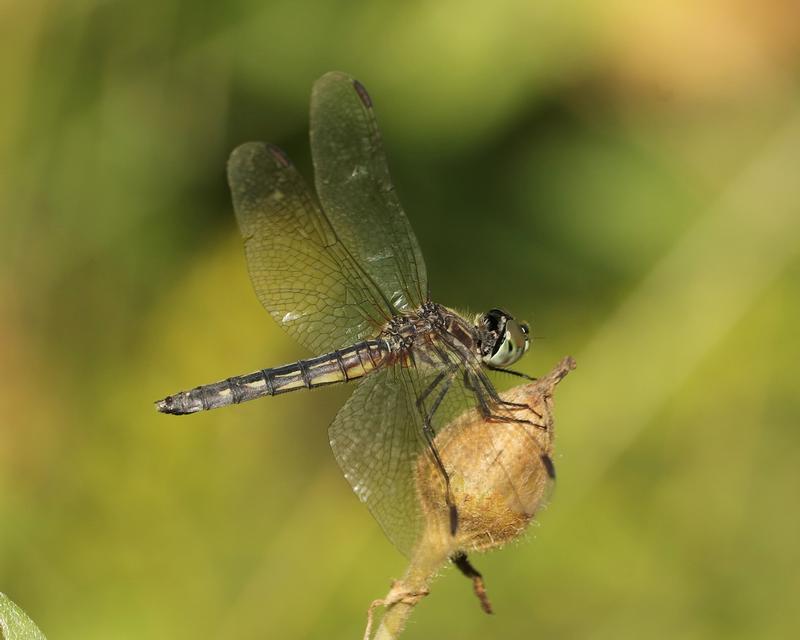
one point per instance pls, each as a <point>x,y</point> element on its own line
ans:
<point>549,467</point>
<point>465,566</point>
<point>429,389</point>
<point>428,432</point>
<point>516,405</point>
<point>485,382</point>
<point>496,397</point>
<point>519,374</point>
<point>485,408</point>
<point>486,412</point>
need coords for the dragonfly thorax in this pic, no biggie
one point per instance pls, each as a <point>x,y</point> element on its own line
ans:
<point>403,330</point>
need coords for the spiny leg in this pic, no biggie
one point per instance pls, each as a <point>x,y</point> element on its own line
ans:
<point>429,389</point>
<point>428,432</point>
<point>506,403</point>
<point>549,466</point>
<point>483,405</point>
<point>487,384</point>
<point>462,562</point>
<point>486,410</point>
<point>451,370</point>
<point>519,374</point>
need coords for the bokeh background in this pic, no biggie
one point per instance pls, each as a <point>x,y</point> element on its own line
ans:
<point>624,174</point>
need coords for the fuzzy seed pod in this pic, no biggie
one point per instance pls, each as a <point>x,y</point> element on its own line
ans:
<point>500,475</point>
<point>500,472</point>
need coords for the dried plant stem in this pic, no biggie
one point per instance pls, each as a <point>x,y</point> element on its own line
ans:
<point>408,591</point>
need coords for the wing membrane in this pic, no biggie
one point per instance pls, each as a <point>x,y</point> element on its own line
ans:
<point>301,271</point>
<point>377,439</point>
<point>356,192</point>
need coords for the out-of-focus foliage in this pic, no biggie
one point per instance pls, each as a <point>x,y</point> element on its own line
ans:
<point>623,174</point>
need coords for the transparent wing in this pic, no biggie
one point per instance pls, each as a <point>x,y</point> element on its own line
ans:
<point>356,192</point>
<point>377,439</point>
<point>301,271</point>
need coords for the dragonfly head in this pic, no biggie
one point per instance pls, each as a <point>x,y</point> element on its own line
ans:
<point>502,340</point>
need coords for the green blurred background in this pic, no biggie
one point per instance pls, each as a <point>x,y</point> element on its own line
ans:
<point>624,174</point>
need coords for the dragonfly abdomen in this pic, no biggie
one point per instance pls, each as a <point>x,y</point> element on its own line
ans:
<point>341,365</point>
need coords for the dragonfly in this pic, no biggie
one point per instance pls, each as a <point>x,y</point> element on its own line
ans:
<point>344,275</point>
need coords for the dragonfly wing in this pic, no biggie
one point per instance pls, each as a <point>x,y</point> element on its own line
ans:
<point>356,192</point>
<point>378,440</point>
<point>301,271</point>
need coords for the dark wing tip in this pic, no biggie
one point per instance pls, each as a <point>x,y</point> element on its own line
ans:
<point>249,166</point>
<point>341,78</point>
<point>362,94</point>
<point>279,155</point>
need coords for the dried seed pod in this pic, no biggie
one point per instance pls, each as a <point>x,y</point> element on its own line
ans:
<point>500,472</point>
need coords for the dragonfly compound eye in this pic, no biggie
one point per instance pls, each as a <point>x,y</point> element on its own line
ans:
<point>505,340</point>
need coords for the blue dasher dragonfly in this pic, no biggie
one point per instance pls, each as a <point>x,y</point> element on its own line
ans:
<point>345,277</point>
